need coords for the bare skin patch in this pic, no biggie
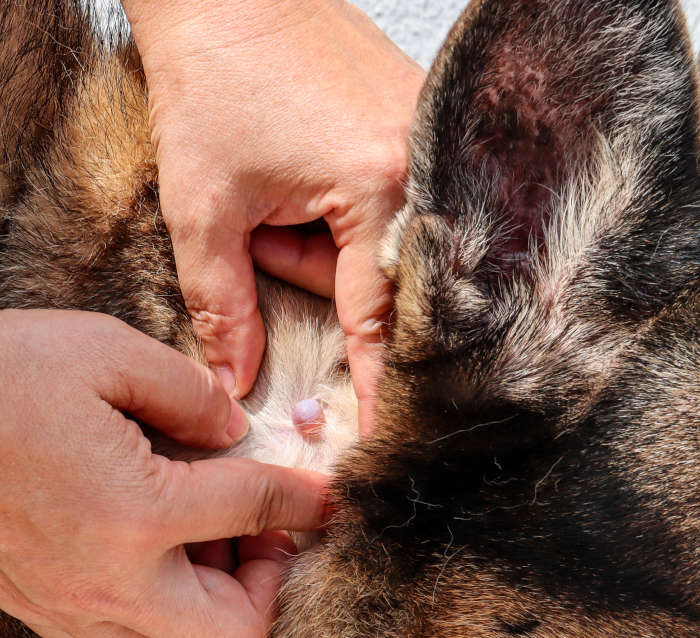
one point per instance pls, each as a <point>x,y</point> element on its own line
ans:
<point>532,125</point>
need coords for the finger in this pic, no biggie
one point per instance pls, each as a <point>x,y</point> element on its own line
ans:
<point>218,554</point>
<point>365,359</point>
<point>261,580</point>
<point>225,497</point>
<point>216,276</point>
<point>192,600</point>
<point>270,545</point>
<point>181,599</point>
<point>251,596</point>
<point>364,302</point>
<point>167,390</point>
<point>307,261</point>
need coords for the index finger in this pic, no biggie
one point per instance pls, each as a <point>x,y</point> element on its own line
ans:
<point>364,301</point>
<point>164,388</point>
<point>210,233</point>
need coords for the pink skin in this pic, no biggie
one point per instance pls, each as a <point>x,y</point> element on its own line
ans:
<point>308,418</point>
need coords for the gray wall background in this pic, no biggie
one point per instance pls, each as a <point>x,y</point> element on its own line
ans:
<point>417,26</point>
<point>420,26</point>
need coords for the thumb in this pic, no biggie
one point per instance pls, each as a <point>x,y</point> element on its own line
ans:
<point>211,240</point>
<point>227,497</point>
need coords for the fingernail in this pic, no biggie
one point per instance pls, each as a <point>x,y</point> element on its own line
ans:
<point>227,379</point>
<point>238,423</point>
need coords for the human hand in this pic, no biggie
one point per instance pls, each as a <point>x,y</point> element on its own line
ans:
<point>276,112</point>
<point>92,522</point>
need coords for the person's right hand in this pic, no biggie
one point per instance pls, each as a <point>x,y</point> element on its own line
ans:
<point>92,524</point>
<point>280,113</point>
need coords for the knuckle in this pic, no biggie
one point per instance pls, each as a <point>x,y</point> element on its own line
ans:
<point>164,500</point>
<point>109,345</point>
<point>185,226</point>
<point>268,503</point>
<point>393,162</point>
<point>139,534</point>
<point>126,440</point>
<point>107,326</point>
<point>216,326</point>
<point>210,325</point>
<point>133,534</point>
<point>202,214</point>
<point>125,524</point>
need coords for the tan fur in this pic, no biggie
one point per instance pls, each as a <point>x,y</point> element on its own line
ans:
<point>534,468</point>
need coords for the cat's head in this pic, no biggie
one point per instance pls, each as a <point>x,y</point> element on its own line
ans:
<point>552,208</point>
<point>533,468</point>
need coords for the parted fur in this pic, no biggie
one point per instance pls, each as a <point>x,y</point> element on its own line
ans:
<point>535,465</point>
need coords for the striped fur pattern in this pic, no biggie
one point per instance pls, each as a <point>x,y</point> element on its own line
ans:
<point>535,467</point>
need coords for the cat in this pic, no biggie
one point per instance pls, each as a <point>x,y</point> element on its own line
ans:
<point>535,461</point>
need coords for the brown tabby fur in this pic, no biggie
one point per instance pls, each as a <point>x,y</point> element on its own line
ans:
<point>535,466</point>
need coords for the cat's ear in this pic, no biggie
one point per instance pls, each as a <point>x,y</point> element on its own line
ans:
<point>552,137</point>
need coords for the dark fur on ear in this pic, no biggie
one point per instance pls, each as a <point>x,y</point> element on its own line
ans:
<point>536,463</point>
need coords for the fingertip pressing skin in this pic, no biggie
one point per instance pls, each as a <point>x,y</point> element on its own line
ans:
<point>226,318</point>
<point>173,393</point>
<point>210,237</point>
<point>238,424</point>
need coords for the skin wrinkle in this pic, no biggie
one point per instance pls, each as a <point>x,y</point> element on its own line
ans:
<point>572,504</point>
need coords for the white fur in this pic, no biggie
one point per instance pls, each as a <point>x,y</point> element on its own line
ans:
<point>304,359</point>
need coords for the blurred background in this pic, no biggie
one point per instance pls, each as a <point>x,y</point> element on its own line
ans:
<point>417,26</point>
<point>420,26</point>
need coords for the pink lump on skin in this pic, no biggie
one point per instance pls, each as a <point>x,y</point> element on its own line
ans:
<point>308,417</point>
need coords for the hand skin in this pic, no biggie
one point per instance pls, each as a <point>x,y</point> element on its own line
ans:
<point>277,112</point>
<point>92,524</point>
